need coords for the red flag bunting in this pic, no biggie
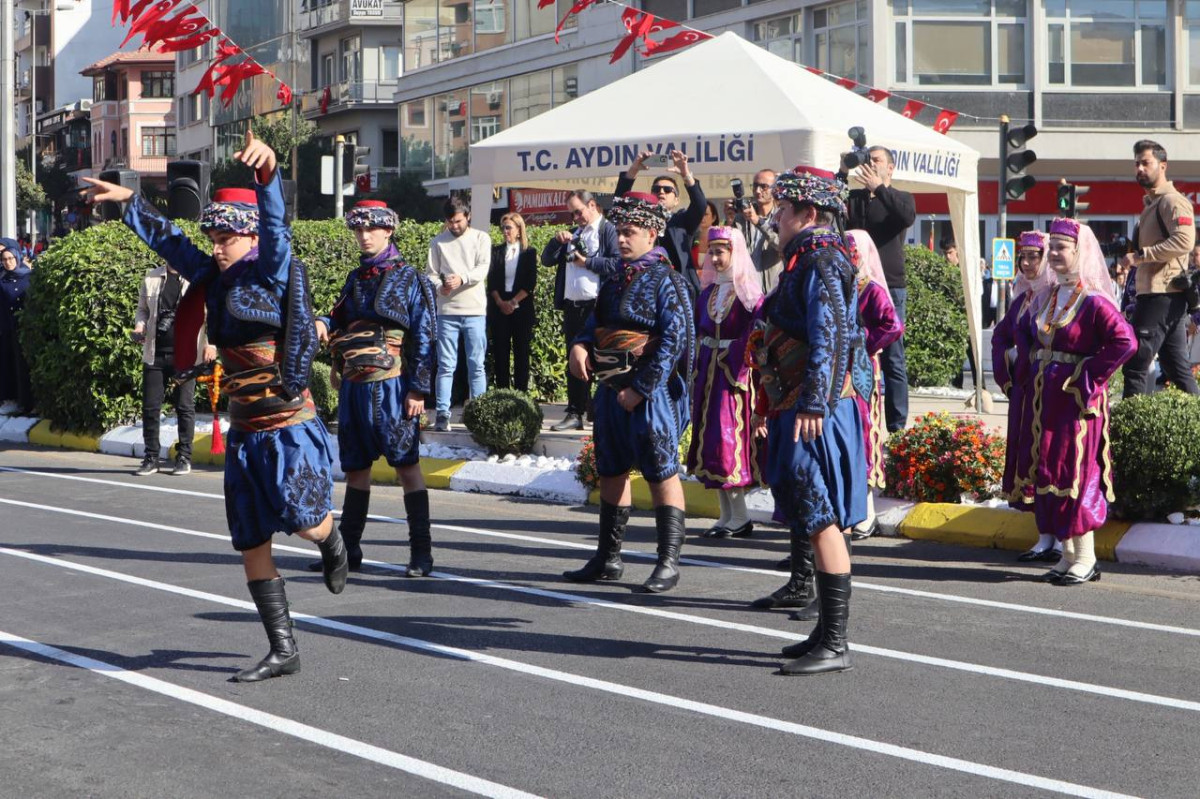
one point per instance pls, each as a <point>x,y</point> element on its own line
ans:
<point>188,42</point>
<point>944,120</point>
<point>326,96</point>
<point>284,95</point>
<point>676,42</point>
<point>211,78</point>
<point>912,108</point>
<point>187,22</point>
<point>847,83</point>
<point>545,3</point>
<point>233,77</point>
<point>580,5</point>
<point>814,71</point>
<point>878,95</point>
<point>638,24</point>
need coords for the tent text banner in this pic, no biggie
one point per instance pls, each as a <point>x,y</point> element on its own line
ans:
<point>733,148</point>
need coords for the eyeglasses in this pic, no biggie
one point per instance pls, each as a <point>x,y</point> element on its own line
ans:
<point>663,189</point>
<point>763,186</point>
<point>508,227</point>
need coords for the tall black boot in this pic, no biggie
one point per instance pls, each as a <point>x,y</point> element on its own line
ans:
<point>352,525</point>
<point>271,601</point>
<point>671,526</point>
<point>831,650</point>
<point>420,541</point>
<point>606,563</point>
<point>333,558</point>
<point>798,591</point>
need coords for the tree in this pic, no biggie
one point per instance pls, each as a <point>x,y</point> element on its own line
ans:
<point>276,130</point>
<point>30,195</point>
<point>406,195</point>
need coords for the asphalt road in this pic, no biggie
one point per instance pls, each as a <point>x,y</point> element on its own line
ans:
<point>124,613</point>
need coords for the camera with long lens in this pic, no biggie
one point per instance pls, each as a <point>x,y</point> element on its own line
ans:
<point>740,203</point>
<point>858,154</point>
<point>1189,284</point>
<point>577,246</point>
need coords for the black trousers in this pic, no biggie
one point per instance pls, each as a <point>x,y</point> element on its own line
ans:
<point>155,379</point>
<point>512,337</point>
<point>1160,323</point>
<point>579,392</point>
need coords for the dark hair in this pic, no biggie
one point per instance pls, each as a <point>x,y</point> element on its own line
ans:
<point>455,206</point>
<point>583,195</point>
<point>824,218</point>
<point>947,242</point>
<point>879,148</point>
<point>712,208</point>
<point>671,178</point>
<point>1159,152</point>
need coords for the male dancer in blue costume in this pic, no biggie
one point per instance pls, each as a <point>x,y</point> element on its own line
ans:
<point>640,343</point>
<point>812,357</point>
<point>278,475</point>
<point>382,332</point>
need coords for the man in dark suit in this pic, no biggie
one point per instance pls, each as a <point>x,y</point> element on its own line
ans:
<point>585,256</point>
<point>681,229</point>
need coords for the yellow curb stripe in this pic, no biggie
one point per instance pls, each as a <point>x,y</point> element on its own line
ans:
<point>43,436</point>
<point>438,471</point>
<point>700,502</point>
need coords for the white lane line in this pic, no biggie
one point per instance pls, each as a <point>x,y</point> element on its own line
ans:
<point>703,708</point>
<point>296,729</point>
<point>894,654</point>
<point>858,584</point>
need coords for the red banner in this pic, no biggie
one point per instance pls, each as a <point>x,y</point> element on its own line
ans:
<point>912,108</point>
<point>944,120</point>
<point>878,95</point>
<point>847,83</point>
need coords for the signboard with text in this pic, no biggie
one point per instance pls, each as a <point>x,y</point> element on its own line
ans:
<point>1004,261</point>
<point>366,8</point>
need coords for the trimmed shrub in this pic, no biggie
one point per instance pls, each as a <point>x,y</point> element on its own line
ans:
<point>504,420</point>
<point>324,395</point>
<point>935,336</point>
<point>1156,454</point>
<point>941,458</point>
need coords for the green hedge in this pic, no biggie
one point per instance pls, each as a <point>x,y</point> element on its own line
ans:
<point>1156,454</point>
<point>87,373</point>
<point>935,336</point>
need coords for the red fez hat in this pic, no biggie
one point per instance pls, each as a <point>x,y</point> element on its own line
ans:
<point>645,197</point>
<point>370,204</point>
<point>244,196</point>
<point>812,170</point>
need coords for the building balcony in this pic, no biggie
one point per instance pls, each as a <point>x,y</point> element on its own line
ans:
<point>27,33</point>
<point>25,80</point>
<point>315,15</point>
<point>348,96</point>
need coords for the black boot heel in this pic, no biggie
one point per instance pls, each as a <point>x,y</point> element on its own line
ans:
<point>284,658</point>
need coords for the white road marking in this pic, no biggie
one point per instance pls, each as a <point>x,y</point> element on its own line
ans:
<point>703,708</point>
<point>910,657</point>
<point>858,584</point>
<point>305,732</point>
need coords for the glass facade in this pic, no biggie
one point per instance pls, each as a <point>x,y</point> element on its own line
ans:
<point>1107,43</point>
<point>441,30</point>
<point>961,42</point>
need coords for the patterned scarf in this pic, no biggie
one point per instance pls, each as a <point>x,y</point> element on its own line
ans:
<point>372,266</point>
<point>632,269</point>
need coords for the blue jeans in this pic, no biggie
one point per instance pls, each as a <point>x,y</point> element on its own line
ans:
<point>474,331</point>
<point>895,371</point>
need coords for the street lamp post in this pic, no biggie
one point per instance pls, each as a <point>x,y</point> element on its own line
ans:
<point>8,155</point>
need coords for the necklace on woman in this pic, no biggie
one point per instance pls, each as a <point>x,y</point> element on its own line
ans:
<point>1056,314</point>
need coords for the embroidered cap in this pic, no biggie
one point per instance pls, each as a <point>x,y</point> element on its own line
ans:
<point>719,235</point>
<point>372,213</point>
<point>639,209</point>
<point>1031,238</point>
<point>1065,227</point>
<point>232,211</point>
<point>818,187</point>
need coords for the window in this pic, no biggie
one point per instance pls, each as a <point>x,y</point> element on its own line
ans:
<point>158,141</point>
<point>1107,42</point>
<point>482,127</point>
<point>420,34</point>
<point>122,86</point>
<point>450,134</point>
<point>670,9</point>
<point>490,17</point>
<point>112,138</point>
<point>391,149</point>
<point>158,85</point>
<point>840,39</point>
<point>701,8</point>
<point>327,70</point>
<point>1192,20</point>
<point>389,62</point>
<point>192,108</point>
<point>350,53</point>
<point>780,36</point>
<point>961,42</point>
<point>100,89</point>
<point>456,29</point>
<point>196,54</point>
<point>416,138</point>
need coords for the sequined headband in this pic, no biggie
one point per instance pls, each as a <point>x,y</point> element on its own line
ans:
<point>812,187</point>
<point>368,217</point>
<point>633,210</point>
<point>235,218</point>
<point>720,235</point>
<point>1065,227</point>
<point>1031,238</point>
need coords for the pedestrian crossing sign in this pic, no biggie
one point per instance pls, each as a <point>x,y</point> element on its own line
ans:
<point>1004,266</point>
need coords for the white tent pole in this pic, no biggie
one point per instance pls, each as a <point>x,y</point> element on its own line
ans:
<point>964,217</point>
<point>481,206</point>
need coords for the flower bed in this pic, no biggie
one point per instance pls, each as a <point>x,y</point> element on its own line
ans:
<point>941,458</point>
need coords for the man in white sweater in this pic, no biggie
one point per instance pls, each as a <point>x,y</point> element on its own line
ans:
<point>459,258</point>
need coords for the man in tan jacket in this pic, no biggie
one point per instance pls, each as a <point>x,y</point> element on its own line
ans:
<point>154,328</point>
<point>1166,234</point>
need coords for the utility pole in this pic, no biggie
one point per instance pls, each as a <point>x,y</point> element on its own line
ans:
<point>8,127</point>
<point>338,149</point>
<point>33,65</point>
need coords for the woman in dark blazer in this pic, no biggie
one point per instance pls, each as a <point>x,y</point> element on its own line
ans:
<point>511,317</point>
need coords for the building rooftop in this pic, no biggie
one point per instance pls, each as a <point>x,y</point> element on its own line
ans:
<point>121,58</point>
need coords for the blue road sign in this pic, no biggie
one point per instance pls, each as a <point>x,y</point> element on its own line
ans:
<point>1004,262</point>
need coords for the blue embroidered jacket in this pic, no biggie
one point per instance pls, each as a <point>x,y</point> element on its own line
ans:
<point>264,293</point>
<point>816,302</point>
<point>389,292</point>
<point>656,299</point>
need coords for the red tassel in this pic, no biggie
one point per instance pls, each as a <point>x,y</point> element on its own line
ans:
<point>218,443</point>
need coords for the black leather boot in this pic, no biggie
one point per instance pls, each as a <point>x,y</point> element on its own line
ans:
<point>271,601</point>
<point>670,522</point>
<point>334,561</point>
<point>606,563</point>
<point>831,650</point>
<point>797,592</point>
<point>420,541</point>
<point>351,526</point>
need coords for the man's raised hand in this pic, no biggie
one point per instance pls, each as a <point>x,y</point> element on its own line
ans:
<point>102,191</point>
<point>257,155</point>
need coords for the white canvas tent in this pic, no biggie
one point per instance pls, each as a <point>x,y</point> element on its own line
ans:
<point>733,108</point>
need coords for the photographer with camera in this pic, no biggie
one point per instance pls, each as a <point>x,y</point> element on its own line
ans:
<point>886,214</point>
<point>1166,234</point>
<point>754,218</point>
<point>683,223</point>
<point>585,255</point>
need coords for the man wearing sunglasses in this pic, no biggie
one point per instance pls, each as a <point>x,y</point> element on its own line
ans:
<point>755,223</point>
<point>682,225</point>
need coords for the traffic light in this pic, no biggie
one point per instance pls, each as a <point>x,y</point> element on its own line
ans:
<point>354,166</point>
<point>1068,199</point>
<point>122,177</point>
<point>1015,158</point>
<point>1078,207</point>
<point>187,188</point>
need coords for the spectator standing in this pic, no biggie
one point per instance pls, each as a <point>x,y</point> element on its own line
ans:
<point>159,296</point>
<point>886,214</point>
<point>511,315</point>
<point>459,259</point>
<point>700,243</point>
<point>755,222</point>
<point>682,224</point>
<point>1166,235</point>
<point>585,256</point>
<point>14,371</point>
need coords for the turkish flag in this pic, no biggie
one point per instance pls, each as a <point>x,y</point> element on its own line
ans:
<point>676,42</point>
<point>944,120</point>
<point>284,95</point>
<point>814,71</point>
<point>878,95</point>
<point>847,83</point>
<point>325,98</point>
<point>638,24</point>
<point>912,108</point>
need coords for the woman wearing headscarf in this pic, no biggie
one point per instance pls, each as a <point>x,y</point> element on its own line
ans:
<point>1076,338</point>
<point>882,327</point>
<point>724,449</point>
<point>1010,365</point>
<point>14,284</point>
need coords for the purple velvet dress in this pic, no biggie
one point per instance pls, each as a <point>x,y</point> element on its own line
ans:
<point>1071,360</point>
<point>883,327</point>
<point>1010,365</point>
<point>724,453</point>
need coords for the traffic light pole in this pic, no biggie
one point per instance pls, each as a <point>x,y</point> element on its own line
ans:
<point>338,149</point>
<point>8,124</point>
